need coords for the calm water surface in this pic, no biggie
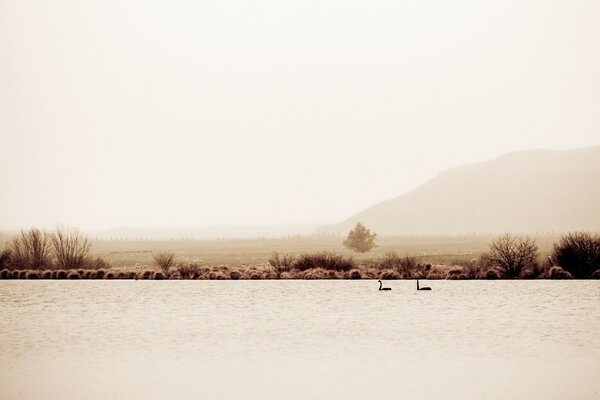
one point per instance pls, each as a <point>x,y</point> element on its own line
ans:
<point>299,340</point>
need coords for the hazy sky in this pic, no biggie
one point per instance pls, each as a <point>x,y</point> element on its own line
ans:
<point>179,113</point>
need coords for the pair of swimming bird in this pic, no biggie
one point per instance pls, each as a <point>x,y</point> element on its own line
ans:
<point>387,288</point>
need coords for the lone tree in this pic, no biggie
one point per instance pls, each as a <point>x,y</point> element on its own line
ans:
<point>360,239</point>
<point>512,254</point>
<point>578,253</point>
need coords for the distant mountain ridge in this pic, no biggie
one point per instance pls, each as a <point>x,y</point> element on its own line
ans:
<point>527,191</point>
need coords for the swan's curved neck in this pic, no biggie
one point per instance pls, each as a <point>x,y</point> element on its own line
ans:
<point>380,284</point>
<point>417,283</point>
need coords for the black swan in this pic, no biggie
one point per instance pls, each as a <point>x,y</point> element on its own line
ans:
<point>423,288</point>
<point>383,288</point>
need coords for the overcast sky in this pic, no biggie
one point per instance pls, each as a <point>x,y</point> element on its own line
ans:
<point>187,113</point>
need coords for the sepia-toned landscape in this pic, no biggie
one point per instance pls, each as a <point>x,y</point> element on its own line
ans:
<point>318,200</point>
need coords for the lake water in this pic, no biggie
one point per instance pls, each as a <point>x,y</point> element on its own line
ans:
<point>299,340</point>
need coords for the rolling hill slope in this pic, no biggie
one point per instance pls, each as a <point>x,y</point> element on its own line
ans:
<point>529,191</point>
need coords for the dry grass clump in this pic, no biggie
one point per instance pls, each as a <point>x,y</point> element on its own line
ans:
<point>235,275</point>
<point>325,260</point>
<point>159,276</point>
<point>255,275</point>
<point>286,275</point>
<point>73,275</point>
<point>5,274</point>
<point>389,274</point>
<point>454,273</point>
<point>92,275</point>
<point>131,275</point>
<point>216,275</point>
<point>110,275</point>
<point>100,274</point>
<point>558,273</point>
<point>281,263</point>
<point>404,266</point>
<point>188,271</point>
<point>435,275</point>
<point>333,275</point>
<point>269,275</point>
<point>596,274</point>
<point>491,274</point>
<point>15,275</point>
<point>22,274</point>
<point>164,261</point>
<point>355,274</point>
<point>32,275</point>
<point>147,274</point>
<point>309,274</point>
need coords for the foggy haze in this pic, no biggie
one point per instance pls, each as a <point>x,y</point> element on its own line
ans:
<point>145,113</point>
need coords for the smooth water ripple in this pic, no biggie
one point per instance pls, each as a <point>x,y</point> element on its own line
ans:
<point>299,340</point>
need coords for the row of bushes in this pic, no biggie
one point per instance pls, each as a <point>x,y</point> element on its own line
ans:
<point>252,274</point>
<point>182,272</point>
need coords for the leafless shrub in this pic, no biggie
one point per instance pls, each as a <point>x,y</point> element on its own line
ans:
<point>188,271</point>
<point>5,257</point>
<point>71,248</point>
<point>164,261</point>
<point>578,253</point>
<point>281,263</point>
<point>30,249</point>
<point>512,254</point>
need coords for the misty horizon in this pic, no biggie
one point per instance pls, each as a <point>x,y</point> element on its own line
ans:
<point>137,114</point>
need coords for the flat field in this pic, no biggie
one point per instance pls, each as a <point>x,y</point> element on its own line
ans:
<point>125,254</point>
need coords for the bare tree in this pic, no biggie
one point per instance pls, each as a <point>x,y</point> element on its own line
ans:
<point>165,261</point>
<point>512,254</point>
<point>30,249</point>
<point>71,248</point>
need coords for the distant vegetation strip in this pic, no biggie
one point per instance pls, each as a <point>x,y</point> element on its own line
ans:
<point>64,254</point>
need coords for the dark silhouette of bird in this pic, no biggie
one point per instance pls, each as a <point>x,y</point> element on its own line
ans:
<point>423,288</point>
<point>381,286</point>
